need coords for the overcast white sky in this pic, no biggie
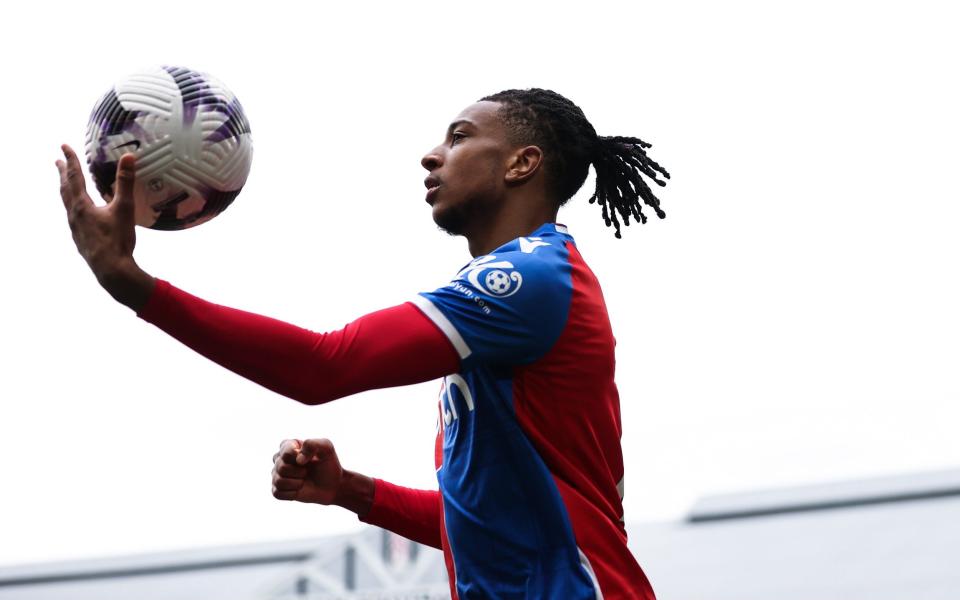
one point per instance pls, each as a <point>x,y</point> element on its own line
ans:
<point>793,320</point>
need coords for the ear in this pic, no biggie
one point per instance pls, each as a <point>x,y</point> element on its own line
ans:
<point>523,164</point>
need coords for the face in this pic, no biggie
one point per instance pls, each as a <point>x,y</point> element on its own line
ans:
<point>466,181</point>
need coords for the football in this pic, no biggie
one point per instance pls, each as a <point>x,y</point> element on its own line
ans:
<point>191,139</point>
<point>497,282</point>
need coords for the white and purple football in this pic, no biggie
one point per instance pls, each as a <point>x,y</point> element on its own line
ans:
<point>191,139</point>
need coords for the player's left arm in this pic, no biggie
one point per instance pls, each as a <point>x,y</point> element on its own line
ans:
<point>391,347</point>
<point>396,346</point>
<point>105,235</point>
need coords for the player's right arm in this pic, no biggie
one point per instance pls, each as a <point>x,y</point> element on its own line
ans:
<point>310,471</point>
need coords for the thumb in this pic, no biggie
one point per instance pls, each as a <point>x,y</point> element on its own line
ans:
<point>123,188</point>
<point>314,449</point>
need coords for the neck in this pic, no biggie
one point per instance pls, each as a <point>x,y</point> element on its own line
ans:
<point>508,225</point>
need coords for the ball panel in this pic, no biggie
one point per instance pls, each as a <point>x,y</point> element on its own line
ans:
<point>191,139</point>
<point>216,202</point>
<point>109,115</point>
<point>104,174</point>
<point>152,91</point>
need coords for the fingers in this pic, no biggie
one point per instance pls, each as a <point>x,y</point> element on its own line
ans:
<point>126,176</point>
<point>311,449</point>
<point>287,477</point>
<point>74,171</point>
<point>65,194</point>
<point>290,471</point>
<point>288,451</point>
<point>287,484</point>
<point>73,190</point>
<point>284,461</point>
<point>292,464</point>
<point>286,488</point>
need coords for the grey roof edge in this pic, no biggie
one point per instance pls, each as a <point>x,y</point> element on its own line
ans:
<point>172,561</point>
<point>824,496</point>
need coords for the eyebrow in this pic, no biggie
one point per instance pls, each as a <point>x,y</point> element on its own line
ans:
<point>459,122</point>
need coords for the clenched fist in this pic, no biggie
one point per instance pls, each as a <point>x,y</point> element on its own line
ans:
<point>307,471</point>
<point>310,471</point>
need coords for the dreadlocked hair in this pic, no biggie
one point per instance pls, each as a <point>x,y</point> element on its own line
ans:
<point>570,145</point>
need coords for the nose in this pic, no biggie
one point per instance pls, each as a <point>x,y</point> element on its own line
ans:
<point>432,160</point>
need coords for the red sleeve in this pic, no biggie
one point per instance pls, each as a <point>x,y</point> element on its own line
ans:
<point>391,347</point>
<point>414,514</point>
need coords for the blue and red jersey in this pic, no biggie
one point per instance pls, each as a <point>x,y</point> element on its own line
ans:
<point>529,461</point>
<point>530,467</point>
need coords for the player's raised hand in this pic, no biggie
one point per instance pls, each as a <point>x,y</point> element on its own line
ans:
<point>105,235</point>
<point>307,471</point>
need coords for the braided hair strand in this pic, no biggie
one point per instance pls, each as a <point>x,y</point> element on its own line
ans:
<point>570,145</point>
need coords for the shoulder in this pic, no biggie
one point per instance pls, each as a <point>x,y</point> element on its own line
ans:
<point>509,306</point>
<point>525,266</point>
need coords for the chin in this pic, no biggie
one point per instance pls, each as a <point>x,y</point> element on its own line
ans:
<point>449,219</point>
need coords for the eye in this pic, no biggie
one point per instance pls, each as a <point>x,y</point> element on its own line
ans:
<point>456,136</point>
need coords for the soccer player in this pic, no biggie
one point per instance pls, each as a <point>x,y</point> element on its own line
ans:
<point>528,453</point>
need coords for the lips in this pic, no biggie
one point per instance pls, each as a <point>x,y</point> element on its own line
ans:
<point>432,184</point>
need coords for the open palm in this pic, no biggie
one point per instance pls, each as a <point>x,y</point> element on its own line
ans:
<point>105,235</point>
